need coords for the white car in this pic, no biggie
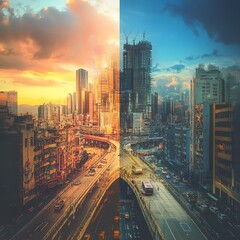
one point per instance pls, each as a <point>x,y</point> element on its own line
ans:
<point>214,210</point>
<point>222,217</point>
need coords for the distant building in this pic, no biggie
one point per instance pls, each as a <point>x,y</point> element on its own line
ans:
<point>50,112</point>
<point>207,88</point>
<point>69,104</point>
<point>74,102</point>
<point>81,86</point>
<point>9,99</point>
<point>89,105</point>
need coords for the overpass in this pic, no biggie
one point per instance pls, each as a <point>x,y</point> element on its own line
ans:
<point>165,216</point>
<point>47,224</point>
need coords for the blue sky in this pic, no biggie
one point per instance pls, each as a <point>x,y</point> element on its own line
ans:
<point>183,34</point>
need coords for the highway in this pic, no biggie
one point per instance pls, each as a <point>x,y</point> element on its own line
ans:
<point>45,220</point>
<point>174,221</point>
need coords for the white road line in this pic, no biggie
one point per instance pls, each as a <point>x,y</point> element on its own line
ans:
<point>164,220</point>
<point>185,227</point>
<point>44,226</point>
<point>231,233</point>
<point>38,226</point>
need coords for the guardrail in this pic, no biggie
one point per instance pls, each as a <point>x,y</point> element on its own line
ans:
<point>70,211</point>
<point>201,223</point>
<point>84,224</point>
<point>153,226</point>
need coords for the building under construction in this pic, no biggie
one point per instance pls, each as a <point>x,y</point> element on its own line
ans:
<point>137,62</point>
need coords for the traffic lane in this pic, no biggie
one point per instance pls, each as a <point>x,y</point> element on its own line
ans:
<point>103,219</point>
<point>184,227</point>
<point>223,229</point>
<point>179,221</point>
<point>129,227</point>
<point>69,195</point>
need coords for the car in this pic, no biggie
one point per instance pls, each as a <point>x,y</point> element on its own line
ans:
<point>175,180</point>
<point>222,217</point>
<point>77,183</point>
<point>126,216</point>
<point>59,205</point>
<point>168,176</point>
<point>164,172</point>
<point>87,237</point>
<point>116,219</point>
<point>101,235</point>
<point>213,209</point>
<point>202,208</point>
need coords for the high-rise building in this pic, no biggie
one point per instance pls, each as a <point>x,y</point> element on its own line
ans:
<point>17,181</point>
<point>49,112</point>
<point>74,102</point>
<point>89,105</point>
<point>9,99</point>
<point>207,88</point>
<point>69,104</point>
<point>226,152</point>
<point>81,86</point>
<point>137,61</point>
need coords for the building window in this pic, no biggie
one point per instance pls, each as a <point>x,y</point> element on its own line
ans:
<point>31,141</point>
<point>26,142</point>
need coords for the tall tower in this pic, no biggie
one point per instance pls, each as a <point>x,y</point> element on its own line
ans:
<point>81,86</point>
<point>207,88</point>
<point>137,62</point>
<point>69,104</point>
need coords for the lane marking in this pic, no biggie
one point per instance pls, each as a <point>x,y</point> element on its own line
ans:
<point>165,220</point>
<point>44,226</point>
<point>38,226</point>
<point>185,227</point>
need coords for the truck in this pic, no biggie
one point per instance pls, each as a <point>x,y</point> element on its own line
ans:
<point>136,169</point>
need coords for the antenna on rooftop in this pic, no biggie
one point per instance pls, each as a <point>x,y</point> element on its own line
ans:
<point>126,36</point>
<point>144,34</point>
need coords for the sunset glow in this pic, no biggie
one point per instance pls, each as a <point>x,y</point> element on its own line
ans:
<point>41,49</point>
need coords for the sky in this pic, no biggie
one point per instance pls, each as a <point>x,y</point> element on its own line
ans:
<point>43,43</point>
<point>184,33</point>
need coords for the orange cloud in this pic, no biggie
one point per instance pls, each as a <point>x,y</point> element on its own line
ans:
<point>173,82</point>
<point>45,41</point>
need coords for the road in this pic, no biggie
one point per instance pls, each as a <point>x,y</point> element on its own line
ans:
<point>43,222</point>
<point>174,221</point>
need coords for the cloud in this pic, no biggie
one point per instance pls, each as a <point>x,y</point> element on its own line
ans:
<point>214,53</point>
<point>220,18</point>
<point>78,35</point>
<point>156,68</point>
<point>172,83</point>
<point>175,68</point>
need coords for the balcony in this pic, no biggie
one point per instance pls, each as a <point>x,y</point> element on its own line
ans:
<point>224,156</point>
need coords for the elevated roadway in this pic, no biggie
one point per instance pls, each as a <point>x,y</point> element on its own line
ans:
<point>47,223</point>
<point>161,209</point>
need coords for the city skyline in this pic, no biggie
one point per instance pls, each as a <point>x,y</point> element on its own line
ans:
<point>183,34</point>
<point>40,65</point>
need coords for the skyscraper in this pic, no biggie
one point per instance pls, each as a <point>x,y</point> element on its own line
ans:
<point>137,61</point>
<point>69,104</point>
<point>226,164</point>
<point>207,88</point>
<point>81,85</point>
<point>9,99</point>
